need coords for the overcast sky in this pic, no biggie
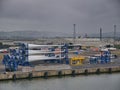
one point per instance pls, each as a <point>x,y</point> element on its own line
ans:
<point>59,15</point>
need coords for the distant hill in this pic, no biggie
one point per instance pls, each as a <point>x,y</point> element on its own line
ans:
<point>31,34</point>
<point>19,35</point>
<point>108,34</point>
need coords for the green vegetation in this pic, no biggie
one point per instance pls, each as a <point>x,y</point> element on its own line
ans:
<point>3,46</point>
<point>117,46</point>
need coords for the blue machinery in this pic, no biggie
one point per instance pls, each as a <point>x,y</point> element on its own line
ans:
<point>103,58</point>
<point>20,55</point>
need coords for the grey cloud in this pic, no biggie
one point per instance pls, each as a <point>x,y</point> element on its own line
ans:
<point>59,15</point>
<point>53,8</point>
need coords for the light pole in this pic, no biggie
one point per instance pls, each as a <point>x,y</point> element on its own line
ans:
<point>114,34</point>
<point>74,33</point>
<point>100,34</point>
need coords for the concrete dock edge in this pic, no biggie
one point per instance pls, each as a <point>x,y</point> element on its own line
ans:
<point>52,73</point>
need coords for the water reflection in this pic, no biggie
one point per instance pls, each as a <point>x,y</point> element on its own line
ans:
<point>91,82</point>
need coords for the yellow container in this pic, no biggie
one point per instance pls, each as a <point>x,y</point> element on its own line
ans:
<point>78,60</point>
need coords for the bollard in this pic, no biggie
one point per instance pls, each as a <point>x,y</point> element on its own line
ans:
<point>14,77</point>
<point>98,71</point>
<point>60,74</point>
<point>86,72</point>
<point>46,75</point>
<point>30,75</point>
<point>110,70</point>
<point>73,73</point>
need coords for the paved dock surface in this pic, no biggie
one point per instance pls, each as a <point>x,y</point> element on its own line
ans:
<point>47,70</point>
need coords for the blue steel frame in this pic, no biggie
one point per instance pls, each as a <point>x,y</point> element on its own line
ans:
<point>104,58</point>
<point>20,57</point>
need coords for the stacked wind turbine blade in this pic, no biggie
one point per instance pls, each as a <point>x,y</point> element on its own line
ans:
<point>40,57</point>
<point>30,46</point>
<point>41,52</point>
<point>33,52</point>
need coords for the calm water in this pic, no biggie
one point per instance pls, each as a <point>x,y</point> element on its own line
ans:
<point>91,82</point>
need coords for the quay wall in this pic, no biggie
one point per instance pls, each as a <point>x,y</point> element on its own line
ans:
<point>51,73</point>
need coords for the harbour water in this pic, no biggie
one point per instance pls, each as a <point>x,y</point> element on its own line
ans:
<point>90,82</point>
